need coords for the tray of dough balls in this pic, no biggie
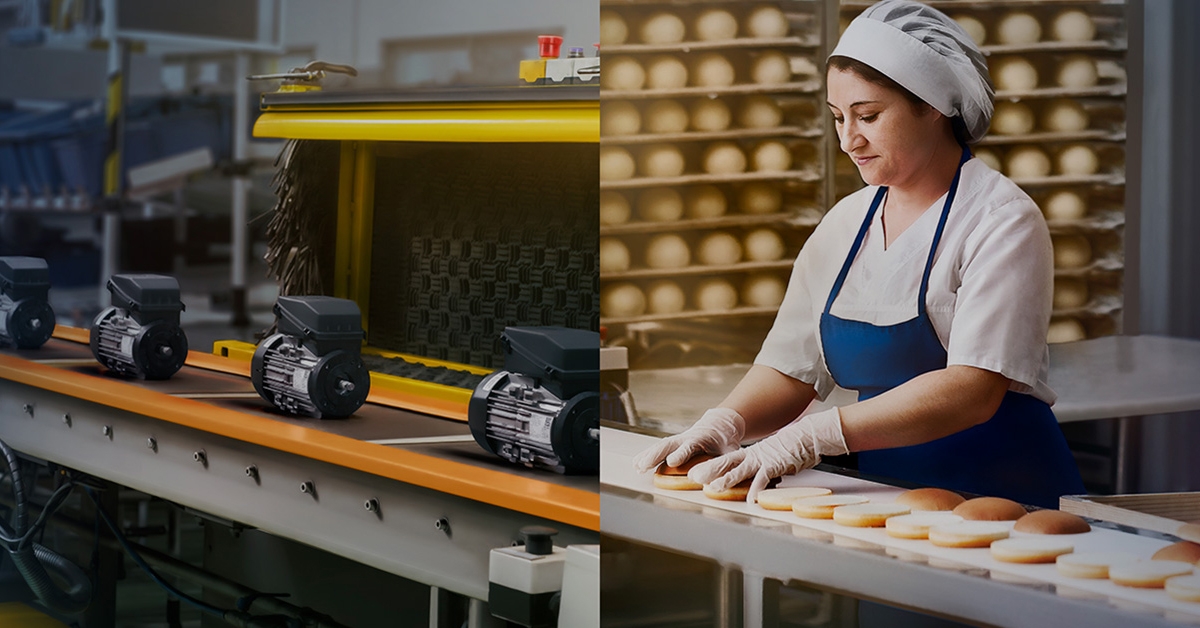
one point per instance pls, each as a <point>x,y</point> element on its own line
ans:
<point>942,529</point>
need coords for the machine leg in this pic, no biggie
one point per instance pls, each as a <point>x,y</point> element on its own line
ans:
<point>760,601</point>
<point>446,609</point>
<point>479,616</point>
<point>1129,443</point>
<point>727,612</point>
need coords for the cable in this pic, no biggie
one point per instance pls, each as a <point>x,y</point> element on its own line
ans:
<point>203,606</point>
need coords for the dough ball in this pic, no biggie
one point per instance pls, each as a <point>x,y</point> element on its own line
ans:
<point>763,290</point>
<point>1014,74</point>
<point>665,297</point>
<point>1070,293</point>
<point>614,256</point>
<point>616,163</point>
<point>667,250</point>
<point>1073,25</point>
<point>771,68</point>
<point>974,28</point>
<point>666,116</point>
<point>715,295</point>
<point>613,30</point>
<point>704,201</point>
<point>712,70</point>
<point>619,118</point>
<point>771,156</point>
<point>1078,159</point>
<point>622,299</point>
<point>1018,28</point>
<point>1012,118</point>
<point>714,25</point>
<point>614,208</point>
<point>1027,162</point>
<point>661,160</point>
<point>990,158</point>
<point>665,72</point>
<point>1071,251</point>
<point>1065,330</point>
<point>759,112</point>
<point>710,114</point>
<point>622,74</point>
<point>659,205</point>
<point>1077,72</point>
<point>662,28</point>
<point>766,21</point>
<point>1065,115</point>
<point>1065,205</point>
<point>760,198</point>
<point>719,249</point>
<point>804,66</point>
<point>763,245</point>
<point>724,158</point>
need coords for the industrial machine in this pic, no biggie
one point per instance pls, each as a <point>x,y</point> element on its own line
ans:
<point>139,335</point>
<point>575,69</point>
<point>26,318</point>
<point>313,365</point>
<point>543,409</point>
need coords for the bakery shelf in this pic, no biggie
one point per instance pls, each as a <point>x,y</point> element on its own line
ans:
<point>689,314</point>
<point>1098,268</point>
<point>1113,179</point>
<point>1096,222</point>
<point>692,271</point>
<point>722,222</point>
<point>1089,135</point>
<point>697,46</point>
<point>1114,89</point>
<point>1106,305</point>
<point>809,86</point>
<point>692,179</point>
<point>1099,45</point>
<point>708,136</point>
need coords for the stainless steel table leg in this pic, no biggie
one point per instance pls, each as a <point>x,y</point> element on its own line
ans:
<point>727,609</point>
<point>760,601</point>
<point>1129,441</point>
<point>479,616</point>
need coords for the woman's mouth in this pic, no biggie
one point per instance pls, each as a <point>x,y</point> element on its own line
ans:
<point>862,161</point>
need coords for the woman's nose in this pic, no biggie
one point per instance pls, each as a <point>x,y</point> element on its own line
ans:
<point>850,137</point>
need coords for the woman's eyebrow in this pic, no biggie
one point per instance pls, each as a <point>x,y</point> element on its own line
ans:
<point>859,103</point>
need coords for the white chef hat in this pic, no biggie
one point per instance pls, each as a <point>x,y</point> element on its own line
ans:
<point>928,54</point>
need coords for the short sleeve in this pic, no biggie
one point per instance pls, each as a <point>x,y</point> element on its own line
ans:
<point>792,346</point>
<point>1002,310</point>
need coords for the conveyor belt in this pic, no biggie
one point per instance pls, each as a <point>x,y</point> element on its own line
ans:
<point>225,404</point>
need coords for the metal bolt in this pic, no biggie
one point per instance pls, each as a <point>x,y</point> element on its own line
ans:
<point>152,444</point>
<point>27,409</point>
<point>308,488</point>
<point>107,431</point>
<point>67,419</point>
<point>442,524</point>
<point>201,457</point>
<point>372,505</point>
<point>252,472</point>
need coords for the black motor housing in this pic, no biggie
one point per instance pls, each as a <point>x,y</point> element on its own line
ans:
<point>139,335</point>
<point>26,318</point>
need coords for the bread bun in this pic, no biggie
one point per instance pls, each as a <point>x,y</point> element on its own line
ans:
<point>930,499</point>
<point>613,30</point>
<point>666,116</point>
<point>665,297</point>
<point>968,533</point>
<point>1151,574</point>
<point>822,507</point>
<point>1051,522</point>
<point>735,493</point>
<point>990,509</point>
<point>1092,565</point>
<point>662,28</point>
<point>917,524</point>
<point>710,115</point>
<point>1030,550</point>
<point>619,118</point>
<point>867,515</point>
<point>704,201</point>
<point>659,205</point>
<point>783,498</point>
<point>687,465</point>
<point>1185,551</point>
<point>676,483</point>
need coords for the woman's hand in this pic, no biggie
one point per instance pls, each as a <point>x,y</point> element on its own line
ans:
<point>718,431</point>
<point>792,449</point>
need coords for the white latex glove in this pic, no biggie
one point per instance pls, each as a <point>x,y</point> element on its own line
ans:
<point>794,448</point>
<point>719,431</point>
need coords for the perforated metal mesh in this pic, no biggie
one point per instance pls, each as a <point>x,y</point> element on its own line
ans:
<point>470,238</point>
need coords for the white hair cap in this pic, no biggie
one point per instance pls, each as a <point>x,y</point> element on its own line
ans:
<point>928,54</point>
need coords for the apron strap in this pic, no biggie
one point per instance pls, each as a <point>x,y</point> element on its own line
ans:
<point>937,235</point>
<point>862,233</point>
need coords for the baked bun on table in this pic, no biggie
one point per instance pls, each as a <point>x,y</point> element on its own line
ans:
<point>1053,522</point>
<point>990,509</point>
<point>922,499</point>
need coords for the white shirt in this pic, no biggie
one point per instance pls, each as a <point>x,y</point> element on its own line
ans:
<point>990,291</point>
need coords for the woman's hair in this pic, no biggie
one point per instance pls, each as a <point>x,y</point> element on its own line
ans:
<point>871,75</point>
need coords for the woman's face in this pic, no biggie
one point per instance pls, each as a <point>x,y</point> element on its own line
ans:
<point>890,140</point>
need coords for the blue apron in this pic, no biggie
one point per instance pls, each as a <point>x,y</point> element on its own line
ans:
<point>1019,453</point>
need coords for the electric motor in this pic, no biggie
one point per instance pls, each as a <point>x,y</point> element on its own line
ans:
<point>543,409</point>
<point>26,318</point>
<point>140,335</point>
<point>313,365</point>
